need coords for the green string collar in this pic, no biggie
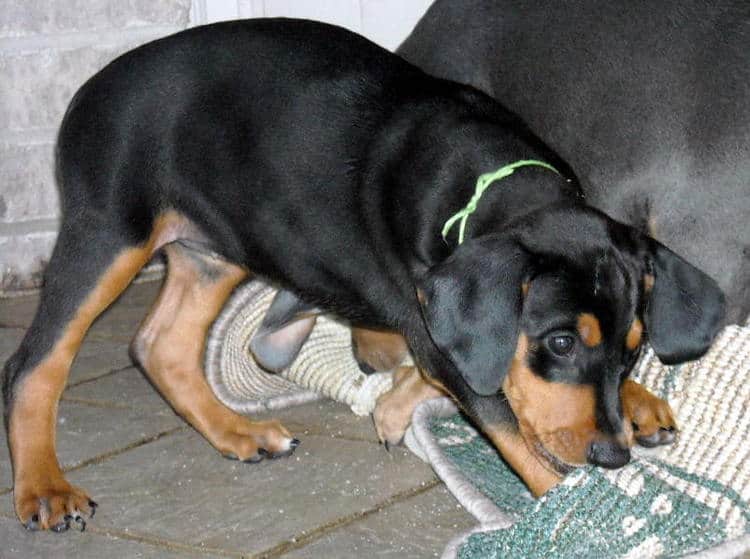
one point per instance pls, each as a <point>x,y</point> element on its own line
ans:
<point>483,182</point>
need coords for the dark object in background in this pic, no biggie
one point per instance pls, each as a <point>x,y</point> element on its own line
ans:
<point>649,102</point>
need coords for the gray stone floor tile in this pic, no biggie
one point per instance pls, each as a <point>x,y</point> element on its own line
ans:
<point>326,418</point>
<point>94,359</point>
<point>417,527</point>
<point>85,432</point>
<point>127,387</point>
<point>17,543</point>
<point>121,320</point>
<point>118,322</point>
<point>97,358</point>
<point>180,489</point>
<point>18,312</point>
<point>10,339</point>
<point>164,492</point>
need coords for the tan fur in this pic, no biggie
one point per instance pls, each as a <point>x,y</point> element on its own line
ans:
<point>633,338</point>
<point>647,411</point>
<point>534,472</point>
<point>559,416</point>
<point>648,283</point>
<point>32,433</point>
<point>381,350</point>
<point>393,411</point>
<point>170,346</point>
<point>589,329</point>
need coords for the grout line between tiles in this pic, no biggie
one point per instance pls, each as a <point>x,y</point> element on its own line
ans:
<point>103,404</point>
<point>168,545</point>
<point>308,537</point>
<point>103,375</point>
<point>112,453</point>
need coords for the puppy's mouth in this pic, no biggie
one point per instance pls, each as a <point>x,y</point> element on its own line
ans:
<point>549,459</point>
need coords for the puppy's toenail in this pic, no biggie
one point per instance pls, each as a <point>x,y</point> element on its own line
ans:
<point>61,527</point>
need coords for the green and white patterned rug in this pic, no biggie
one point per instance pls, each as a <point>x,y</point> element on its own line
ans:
<point>689,499</point>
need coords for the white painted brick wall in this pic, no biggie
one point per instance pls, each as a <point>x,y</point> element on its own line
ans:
<point>48,48</point>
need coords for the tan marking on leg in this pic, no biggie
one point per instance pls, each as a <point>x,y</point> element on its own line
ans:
<point>633,338</point>
<point>381,350</point>
<point>538,477</point>
<point>589,329</point>
<point>561,417</point>
<point>37,473</point>
<point>170,347</point>
<point>651,417</point>
<point>393,411</point>
<point>39,485</point>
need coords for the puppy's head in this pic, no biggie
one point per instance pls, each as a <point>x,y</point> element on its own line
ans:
<point>551,314</point>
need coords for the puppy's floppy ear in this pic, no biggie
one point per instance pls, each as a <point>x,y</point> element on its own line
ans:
<point>685,309</point>
<point>471,304</point>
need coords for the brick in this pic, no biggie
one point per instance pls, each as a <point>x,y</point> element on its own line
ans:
<point>23,258</point>
<point>38,86</point>
<point>31,17</point>
<point>28,178</point>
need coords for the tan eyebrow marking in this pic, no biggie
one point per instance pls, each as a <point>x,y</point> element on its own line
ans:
<point>589,329</point>
<point>648,282</point>
<point>633,339</point>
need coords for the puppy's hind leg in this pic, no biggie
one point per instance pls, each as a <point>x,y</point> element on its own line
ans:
<point>89,268</point>
<point>170,344</point>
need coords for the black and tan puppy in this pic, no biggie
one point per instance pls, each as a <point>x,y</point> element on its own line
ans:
<point>309,156</point>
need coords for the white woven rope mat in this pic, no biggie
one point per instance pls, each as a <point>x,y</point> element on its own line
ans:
<point>325,366</point>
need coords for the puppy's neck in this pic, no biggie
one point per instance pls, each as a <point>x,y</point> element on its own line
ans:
<point>526,190</point>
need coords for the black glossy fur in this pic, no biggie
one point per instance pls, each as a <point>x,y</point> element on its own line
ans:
<point>648,102</point>
<point>323,163</point>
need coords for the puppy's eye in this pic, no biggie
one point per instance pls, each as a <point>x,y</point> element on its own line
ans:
<point>561,345</point>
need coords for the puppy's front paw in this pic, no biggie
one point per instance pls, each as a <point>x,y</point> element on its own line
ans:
<point>391,419</point>
<point>52,504</point>
<point>651,417</point>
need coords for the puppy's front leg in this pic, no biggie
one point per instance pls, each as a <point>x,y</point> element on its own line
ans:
<point>394,409</point>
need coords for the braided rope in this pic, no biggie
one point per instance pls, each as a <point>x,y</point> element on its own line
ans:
<point>324,367</point>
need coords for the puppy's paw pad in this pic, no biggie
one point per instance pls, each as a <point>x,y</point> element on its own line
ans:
<point>651,417</point>
<point>57,508</point>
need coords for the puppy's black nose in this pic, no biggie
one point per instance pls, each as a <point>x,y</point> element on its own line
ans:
<point>608,454</point>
